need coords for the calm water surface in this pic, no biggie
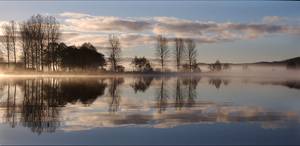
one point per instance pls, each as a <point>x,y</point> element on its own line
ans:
<point>149,110</point>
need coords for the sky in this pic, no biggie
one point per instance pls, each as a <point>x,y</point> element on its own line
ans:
<point>231,31</point>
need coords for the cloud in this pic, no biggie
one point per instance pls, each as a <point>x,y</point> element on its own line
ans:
<point>87,23</point>
<point>144,114</point>
<point>142,30</point>
<point>128,40</point>
<point>73,15</point>
<point>271,19</point>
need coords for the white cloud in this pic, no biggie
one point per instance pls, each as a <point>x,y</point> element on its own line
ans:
<point>141,30</point>
<point>86,23</point>
<point>128,40</point>
<point>271,19</point>
<point>73,15</point>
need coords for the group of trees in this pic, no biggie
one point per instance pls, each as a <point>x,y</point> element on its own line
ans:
<point>141,64</point>
<point>218,66</point>
<point>41,49</point>
<point>185,51</point>
<point>83,57</point>
<point>8,40</point>
<point>36,37</point>
<point>39,36</point>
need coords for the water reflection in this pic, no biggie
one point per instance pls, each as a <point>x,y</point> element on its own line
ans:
<point>114,93</point>
<point>38,103</point>
<point>43,98</point>
<point>141,84</point>
<point>217,82</point>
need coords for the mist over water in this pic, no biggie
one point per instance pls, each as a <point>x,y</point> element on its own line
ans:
<point>257,71</point>
<point>48,109</point>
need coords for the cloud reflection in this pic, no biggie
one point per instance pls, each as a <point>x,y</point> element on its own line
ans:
<point>49,104</point>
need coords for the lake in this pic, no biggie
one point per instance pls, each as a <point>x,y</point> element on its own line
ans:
<point>149,110</point>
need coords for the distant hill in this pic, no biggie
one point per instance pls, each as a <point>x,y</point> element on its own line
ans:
<point>294,61</point>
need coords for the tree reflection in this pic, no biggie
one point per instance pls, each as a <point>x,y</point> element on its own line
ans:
<point>83,91</point>
<point>217,82</point>
<point>114,93</point>
<point>179,101</point>
<point>37,113</point>
<point>162,97</point>
<point>191,84</point>
<point>141,84</point>
<point>11,110</point>
<point>43,98</point>
<point>37,103</point>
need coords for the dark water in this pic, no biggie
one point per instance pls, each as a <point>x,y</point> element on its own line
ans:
<point>149,110</point>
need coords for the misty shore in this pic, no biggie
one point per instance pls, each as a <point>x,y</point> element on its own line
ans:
<point>294,75</point>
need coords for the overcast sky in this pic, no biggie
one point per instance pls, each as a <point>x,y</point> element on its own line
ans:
<point>230,31</point>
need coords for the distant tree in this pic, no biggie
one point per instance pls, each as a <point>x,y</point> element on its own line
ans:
<point>191,53</point>
<point>191,68</point>
<point>141,64</point>
<point>114,51</point>
<point>226,66</point>
<point>162,51</point>
<point>179,52</point>
<point>217,66</point>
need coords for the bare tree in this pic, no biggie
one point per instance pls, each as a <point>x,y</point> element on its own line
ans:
<point>191,53</point>
<point>6,41</point>
<point>13,39</point>
<point>179,52</point>
<point>162,51</point>
<point>38,36</point>
<point>25,43</point>
<point>114,51</point>
<point>52,37</point>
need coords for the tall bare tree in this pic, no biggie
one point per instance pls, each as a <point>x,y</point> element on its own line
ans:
<point>13,39</point>
<point>25,43</point>
<point>6,41</point>
<point>52,37</point>
<point>191,53</point>
<point>162,51</point>
<point>179,52</point>
<point>114,51</point>
<point>38,36</point>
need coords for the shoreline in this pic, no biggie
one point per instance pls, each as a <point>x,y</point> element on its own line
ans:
<point>141,74</point>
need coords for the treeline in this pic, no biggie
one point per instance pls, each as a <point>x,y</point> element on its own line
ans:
<point>36,38</point>
<point>41,49</point>
<point>184,55</point>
